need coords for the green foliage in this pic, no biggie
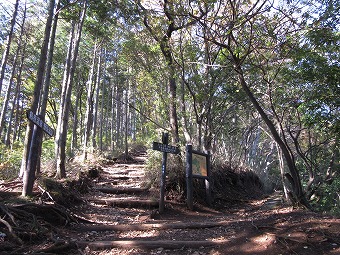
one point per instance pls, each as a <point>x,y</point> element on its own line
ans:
<point>10,161</point>
<point>327,198</point>
<point>47,150</point>
<point>175,182</point>
<point>153,168</point>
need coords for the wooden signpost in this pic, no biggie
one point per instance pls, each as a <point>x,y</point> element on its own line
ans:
<point>165,148</point>
<point>40,123</point>
<point>33,155</point>
<point>197,166</point>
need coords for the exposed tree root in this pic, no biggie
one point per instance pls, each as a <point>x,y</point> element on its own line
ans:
<point>59,248</point>
<point>121,190</point>
<point>11,232</point>
<point>146,244</point>
<point>127,203</point>
<point>129,227</point>
<point>29,222</point>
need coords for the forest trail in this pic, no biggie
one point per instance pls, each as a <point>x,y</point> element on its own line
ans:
<point>122,214</point>
<point>123,219</point>
<point>118,215</point>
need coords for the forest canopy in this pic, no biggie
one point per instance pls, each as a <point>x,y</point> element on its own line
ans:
<point>256,83</point>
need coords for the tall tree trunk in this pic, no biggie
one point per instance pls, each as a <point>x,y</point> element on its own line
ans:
<point>118,115</point>
<point>165,47</point>
<point>89,103</point>
<point>164,43</point>
<point>9,88</point>
<point>47,81</point>
<point>32,159</point>
<point>173,107</point>
<point>102,105</point>
<point>96,101</point>
<point>208,136</point>
<point>126,131</point>
<point>108,116</point>
<point>293,177</point>
<point>113,115</point>
<point>18,116</point>
<point>184,118</point>
<point>7,140</point>
<point>133,117</point>
<point>61,134</point>
<point>8,44</point>
<point>282,172</point>
<point>16,101</point>
<point>64,88</point>
<point>74,143</point>
<point>8,92</point>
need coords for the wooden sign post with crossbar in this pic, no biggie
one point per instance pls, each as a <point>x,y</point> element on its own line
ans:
<point>165,148</point>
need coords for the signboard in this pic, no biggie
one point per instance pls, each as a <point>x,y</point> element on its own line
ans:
<point>199,164</point>
<point>198,167</point>
<point>165,148</point>
<point>40,123</point>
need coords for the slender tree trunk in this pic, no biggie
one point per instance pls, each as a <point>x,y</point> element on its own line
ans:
<point>101,117</point>
<point>64,89</point>
<point>96,102</point>
<point>8,92</point>
<point>47,81</point>
<point>108,115</point>
<point>16,101</point>
<point>126,132</point>
<point>184,116</point>
<point>133,118</point>
<point>74,143</point>
<point>208,136</point>
<point>89,103</point>
<point>164,44</point>
<point>293,176</point>
<point>173,105</point>
<point>199,134</point>
<point>7,140</point>
<point>9,88</point>
<point>8,44</point>
<point>102,105</point>
<point>113,114</point>
<point>118,115</point>
<point>18,116</point>
<point>61,135</point>
<point>282,172</point>
<point>31,164</point>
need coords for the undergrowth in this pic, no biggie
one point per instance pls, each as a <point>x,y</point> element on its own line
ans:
<point>227,184</point>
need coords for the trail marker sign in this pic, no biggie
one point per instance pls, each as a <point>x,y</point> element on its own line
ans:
<point>40,123</point>
<point>165,148</point>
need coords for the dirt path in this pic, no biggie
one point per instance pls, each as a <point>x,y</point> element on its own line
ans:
<point>120,216</point>
<point>124,220</point>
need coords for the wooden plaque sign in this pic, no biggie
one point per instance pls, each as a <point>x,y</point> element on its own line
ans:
<point>165,148</point>
<point>198,167</point>
<point>40,123</point>
<point>199,164</point>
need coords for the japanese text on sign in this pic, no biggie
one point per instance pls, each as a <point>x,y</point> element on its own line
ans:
<point>40,123</point>
<point>165,148</point>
